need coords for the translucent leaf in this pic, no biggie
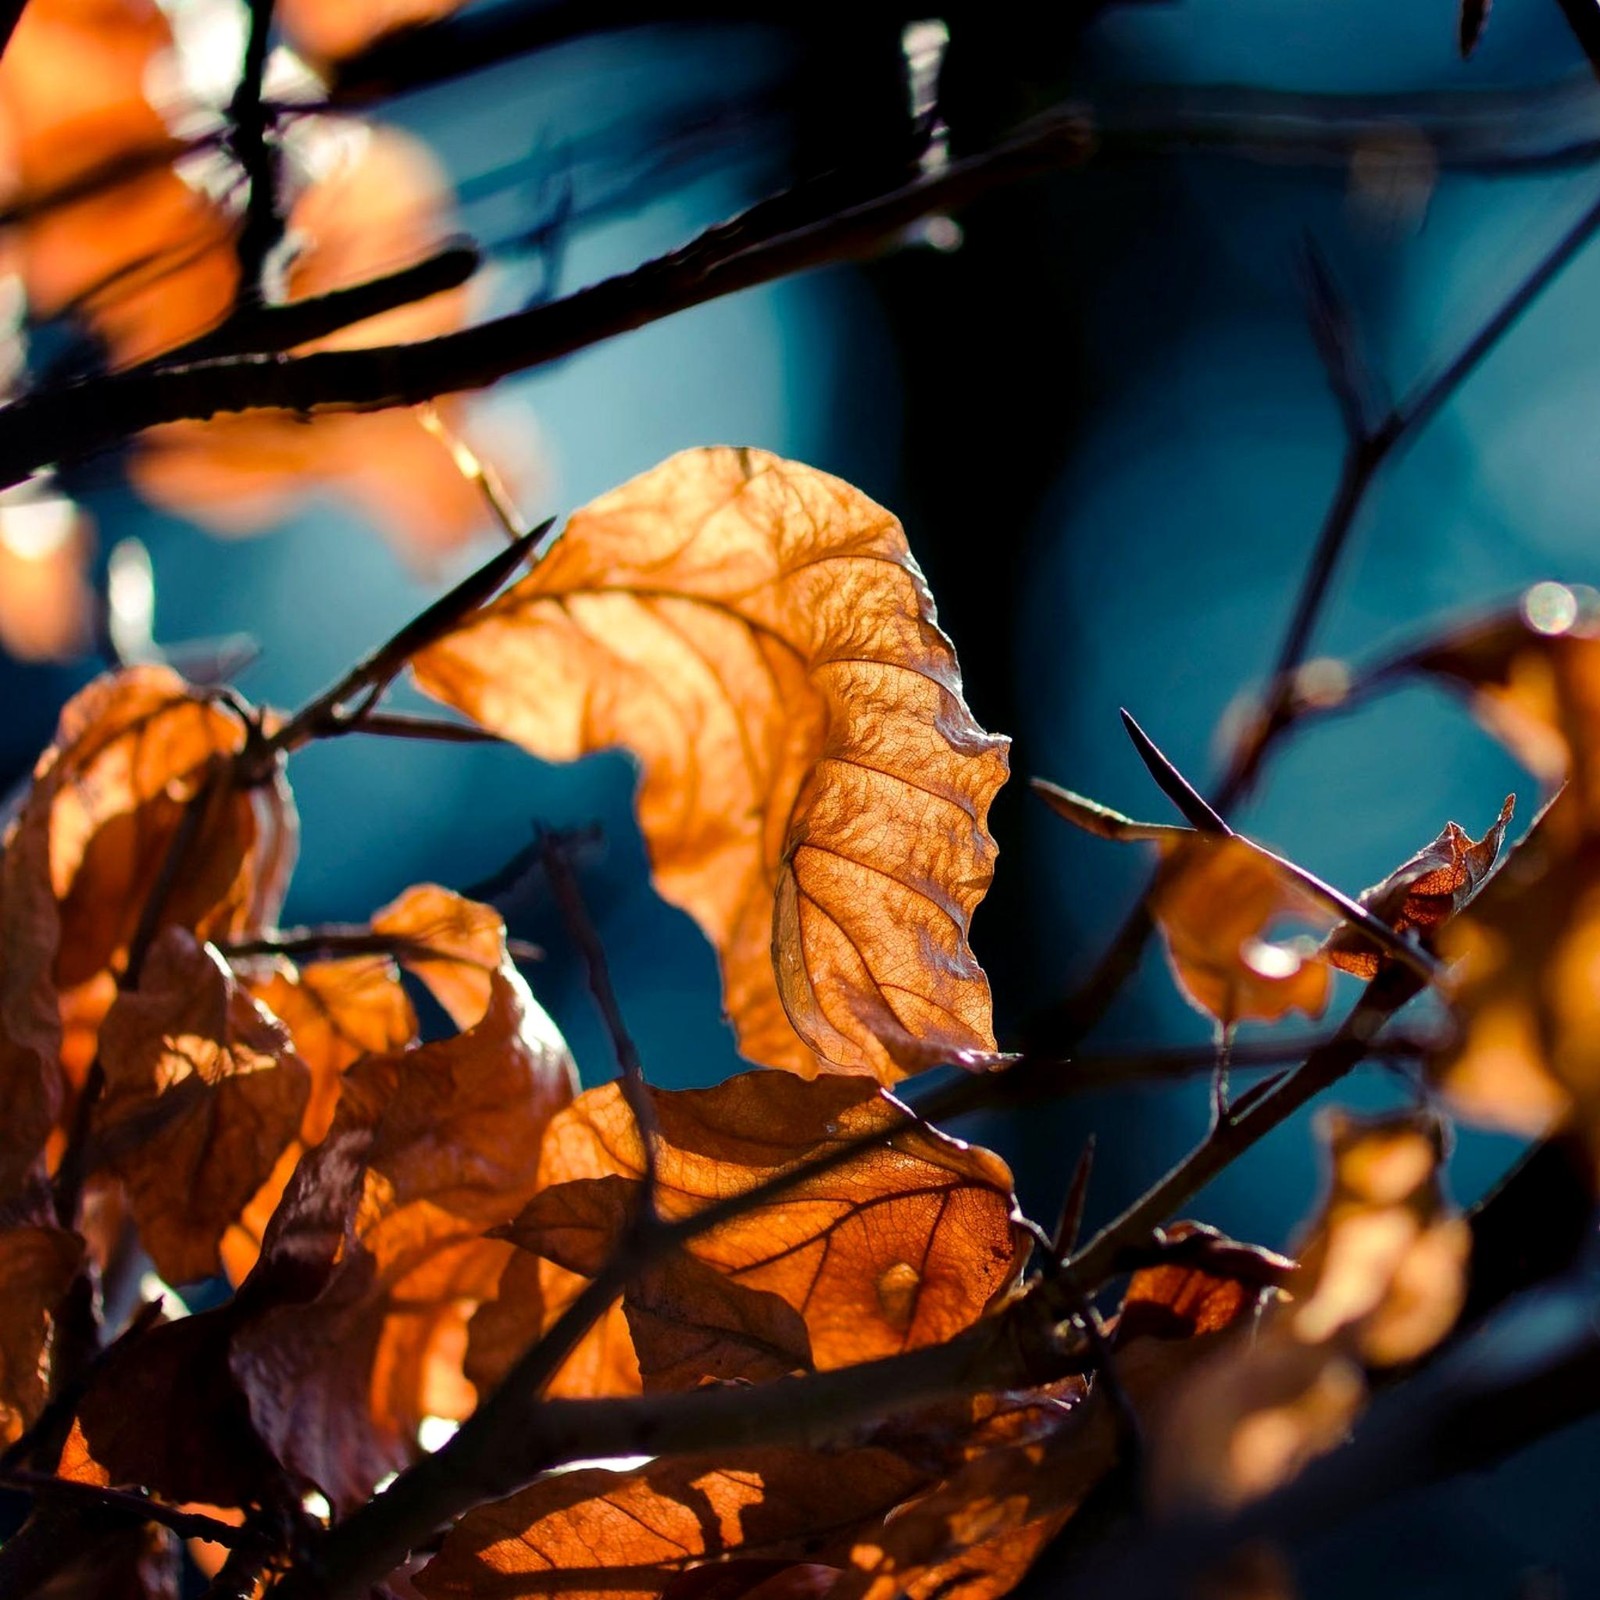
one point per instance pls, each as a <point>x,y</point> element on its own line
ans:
<point>814,791</point>
<point>37,1265</point>
<point>1423,892</point>
<point>454,1130</point>
<point>894,1248</point>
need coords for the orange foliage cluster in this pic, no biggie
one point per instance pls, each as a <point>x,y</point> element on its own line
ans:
<point>403,1220</point>
<point>122,213</point>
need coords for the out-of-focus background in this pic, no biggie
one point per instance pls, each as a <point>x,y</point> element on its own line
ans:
<point>1094,400</point>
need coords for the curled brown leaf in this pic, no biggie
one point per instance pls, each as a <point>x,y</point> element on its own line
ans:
<point>814,791</point>
<point>203,1094</point>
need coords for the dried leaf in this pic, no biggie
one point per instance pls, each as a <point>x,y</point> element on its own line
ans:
<point>1381,1280</point>
<point>952,1500</point>
<point>335,30</point>
<point>31,1087</point>
<point>626,1536</point>
<point>132,751</point>
<point>336,1012</point>
<point>814,791</point>
<point>453,944</point>
<point>897,1247</point>
<point>1423,892</point>
<point>454,1129</point>
<point>203,1095</point>
<point>37,1265</point>
<point>1030,1465</point>
<point>1215,901</point>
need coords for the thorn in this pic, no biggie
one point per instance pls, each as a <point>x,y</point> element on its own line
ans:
<point>1071,1223</point>
<point>1193,806</point>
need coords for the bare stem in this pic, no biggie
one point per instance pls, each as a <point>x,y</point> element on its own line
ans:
<point>737,255</point>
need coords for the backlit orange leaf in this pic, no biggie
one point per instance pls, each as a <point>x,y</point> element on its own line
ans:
<point>1425,891</point>
<point>336,1012</point>
<point>203,1093</point>
<point>953,1500</point>
<point>47,605</point>
<point>813,791</point>
<point>331,30</point>
<point>146,260</point>
<point>455,1129</point>
<point>453,944</point>
<point>1533,678</point>
<point>894,1248</point>
<point>37,1264</point>
<point>1381,1280</point>
<point>597,1533</point>
<point>132,751</point>
<point>1215,900</point>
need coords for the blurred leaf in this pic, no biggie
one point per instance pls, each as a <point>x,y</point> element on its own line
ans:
<point>1533,676</point>
<point>1382,1278</point>
<point>145,259</point>
<point>333,30</point>
<point>381,202</point>
<point>1469,25</point>
<point>47,604</point>
<point>814,790</point>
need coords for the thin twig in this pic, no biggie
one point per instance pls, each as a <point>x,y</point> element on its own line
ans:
<point>405,725</point>
<point>555,848</point>
<point>332,711</point>
<point>333,941</point>
<point>1105,1254</point>
<point>283,325</point>
<point>475,470</point>
<point>1059,1029</point>
<point>186,1524</point>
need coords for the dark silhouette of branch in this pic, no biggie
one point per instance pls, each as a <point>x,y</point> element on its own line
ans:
<point>256,152</point>
<point>1366,453</point>
<point>99,412</point>
<point>134,1506</point>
